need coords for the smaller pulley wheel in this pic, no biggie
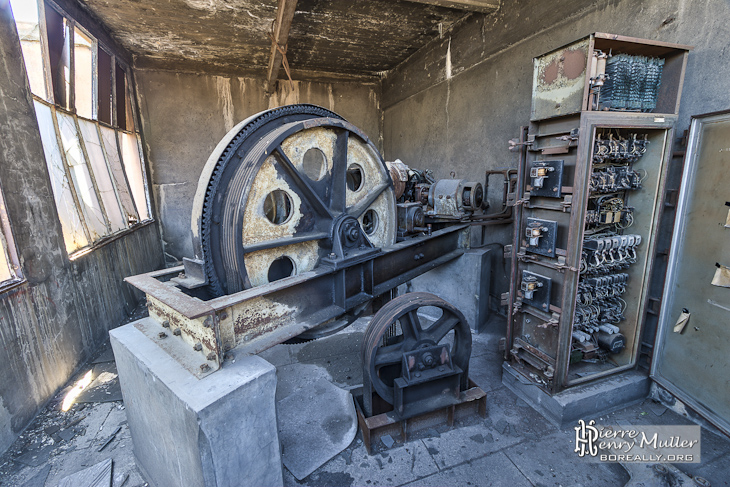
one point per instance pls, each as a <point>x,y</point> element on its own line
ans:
<point>401,326</point>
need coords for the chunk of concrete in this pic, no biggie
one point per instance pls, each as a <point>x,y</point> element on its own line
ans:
<point>216,431</point>
<point>315,423</point>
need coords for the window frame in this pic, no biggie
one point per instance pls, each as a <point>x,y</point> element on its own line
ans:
<point>116,64</point>
<point>11,250</point>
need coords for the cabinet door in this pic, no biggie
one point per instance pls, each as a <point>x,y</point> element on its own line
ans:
<point>693,364</point>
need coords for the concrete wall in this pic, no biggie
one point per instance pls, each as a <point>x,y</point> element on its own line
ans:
<point>52,323</point>
<point>184,116</point>
<point>454,105</point>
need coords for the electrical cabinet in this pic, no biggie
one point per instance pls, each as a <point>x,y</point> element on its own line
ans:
<point>591,189</point>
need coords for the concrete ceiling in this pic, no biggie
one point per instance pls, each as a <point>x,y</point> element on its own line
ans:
<point>336,38</point>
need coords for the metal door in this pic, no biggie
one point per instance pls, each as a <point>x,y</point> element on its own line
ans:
<point>693,364</point>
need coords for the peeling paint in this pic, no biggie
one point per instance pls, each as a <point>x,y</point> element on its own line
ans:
<point>260,316</point>
<point>357,38</point>
<point>256,226</point>
<point>374,174</point>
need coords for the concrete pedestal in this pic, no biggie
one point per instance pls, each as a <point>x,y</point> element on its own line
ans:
<point>463,282</point>
<point>586,401</point>
<point>217,431</point>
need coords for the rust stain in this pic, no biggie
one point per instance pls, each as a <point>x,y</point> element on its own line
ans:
<point>191,331</point>
<point>575,63</point>
<point>258,317</point>
<point>550,73</point>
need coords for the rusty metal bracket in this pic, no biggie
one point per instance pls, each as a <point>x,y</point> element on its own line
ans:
<point>507,252</point>
<point>553,321</point>
<point>515,144</point>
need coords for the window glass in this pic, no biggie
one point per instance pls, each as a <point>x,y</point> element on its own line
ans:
<point>73,230</point>
<point>83,74</point>
<point>121,81</point>
<point>6,273</point>
<point>25,13</point>
<point>101,174</point>
<point>96,169</point>
<point>81,178</point>
<point>135,175</point>
<point>9,264</point>
<point>104,86</point>
<point>109,141</point>
<point>59,50</point>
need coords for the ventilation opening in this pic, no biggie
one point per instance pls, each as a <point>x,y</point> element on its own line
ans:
<point>314,163</point>
<point>370,222</point>
<point>281,268</point>
<point>277,207</point>
<point>354,178</point>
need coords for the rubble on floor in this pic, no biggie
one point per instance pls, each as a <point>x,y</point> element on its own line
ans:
<point>513,446</point>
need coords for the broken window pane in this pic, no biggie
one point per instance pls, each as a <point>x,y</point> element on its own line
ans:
<point>109,141</point>
<point>135,173</point>
<point>85,191</point>
<point>83,74</point>
<point>25,13</point>
<point>6,271</point>
<point>101,174</point>
<point>73,230</point>
<point>121,81</point>
<point>8,254</point>
<point>59,50</point>
<point>104,86</point>
<point>130,114</point>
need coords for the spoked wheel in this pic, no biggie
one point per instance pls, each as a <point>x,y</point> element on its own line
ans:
<point>397,329</point>
<point>278,186</point>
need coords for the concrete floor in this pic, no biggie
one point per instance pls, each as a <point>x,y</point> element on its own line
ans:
<point>513,446</point>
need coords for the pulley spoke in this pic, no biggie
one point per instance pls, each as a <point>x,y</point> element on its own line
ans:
<point>361,206</point>
<point>380,362</point>
<point>441,327</point>
<point>338,198</point>
<point>242,245</point>
<point>306,190</point>
<point>281,242</point>
<point>411,325</point>
<point>390,355</point>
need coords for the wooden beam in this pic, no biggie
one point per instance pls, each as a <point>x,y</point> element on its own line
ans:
<point>484,6</point>
<point>284,17</point>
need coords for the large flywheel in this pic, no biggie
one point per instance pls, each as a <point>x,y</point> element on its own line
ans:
<point>279,189</point>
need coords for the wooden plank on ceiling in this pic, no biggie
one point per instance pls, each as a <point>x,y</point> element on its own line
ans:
<point>484,6</point>
<point>284,17</point>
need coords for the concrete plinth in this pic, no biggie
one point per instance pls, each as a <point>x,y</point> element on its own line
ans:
<point>216,431</point>
<point>585,401</point>
<point>463,282</point>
